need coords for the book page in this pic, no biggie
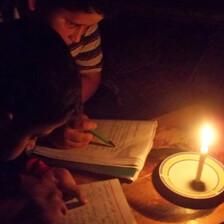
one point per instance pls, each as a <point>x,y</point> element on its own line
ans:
<point>133,139</point>
<point>106,205</point>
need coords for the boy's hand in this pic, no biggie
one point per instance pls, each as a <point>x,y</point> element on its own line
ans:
<point>73,134</point>
<point>76,134</point>
<point>47,192</point>
<point>67,184</point>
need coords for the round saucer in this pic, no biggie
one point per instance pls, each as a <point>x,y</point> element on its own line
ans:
<point>178,171</point>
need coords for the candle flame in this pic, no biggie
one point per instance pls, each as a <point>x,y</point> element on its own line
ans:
<point>207,135</point>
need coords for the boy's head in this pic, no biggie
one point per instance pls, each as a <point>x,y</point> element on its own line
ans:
<point>101,7</point>
<point>39,85</point>
<point>71,18</point>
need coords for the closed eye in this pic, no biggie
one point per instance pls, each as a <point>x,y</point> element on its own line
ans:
<point>70,24</point>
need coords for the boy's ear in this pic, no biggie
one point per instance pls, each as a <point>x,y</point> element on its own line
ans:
<point>31,4</point>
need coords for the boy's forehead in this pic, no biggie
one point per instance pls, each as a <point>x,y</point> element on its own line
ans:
<point>82,18</point>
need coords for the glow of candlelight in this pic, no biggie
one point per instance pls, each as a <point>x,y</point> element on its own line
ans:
<point>207,135</point>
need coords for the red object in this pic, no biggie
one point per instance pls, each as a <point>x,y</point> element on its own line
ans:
<point>36,167</point>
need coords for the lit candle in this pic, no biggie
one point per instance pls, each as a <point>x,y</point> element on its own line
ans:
<point>206,139</point>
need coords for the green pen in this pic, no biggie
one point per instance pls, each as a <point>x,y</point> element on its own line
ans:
<point>101,137</point>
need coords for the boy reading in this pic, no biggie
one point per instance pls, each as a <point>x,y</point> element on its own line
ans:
<point>40,91</point>
<point>77,23</point>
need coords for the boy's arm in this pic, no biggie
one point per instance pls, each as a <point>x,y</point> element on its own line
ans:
<point>48,190</point>
<point>90,83</point>
<point>89,58</point>
<point>34,189</point>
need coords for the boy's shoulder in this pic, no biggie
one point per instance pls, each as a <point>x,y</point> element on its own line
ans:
<point>91,29</point>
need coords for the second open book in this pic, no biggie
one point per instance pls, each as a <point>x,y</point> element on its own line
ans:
<point>133,140</point>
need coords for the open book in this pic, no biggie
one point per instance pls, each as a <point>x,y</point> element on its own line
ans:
<point>106,204</point>
<point>133,140</point>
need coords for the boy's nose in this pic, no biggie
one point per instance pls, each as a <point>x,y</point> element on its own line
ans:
<point>77,35</point>
<point>31,145</point>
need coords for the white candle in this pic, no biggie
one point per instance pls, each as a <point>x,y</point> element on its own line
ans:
<point>206,139</point>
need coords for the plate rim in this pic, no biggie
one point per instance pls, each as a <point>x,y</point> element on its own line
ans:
<point>165,182</point>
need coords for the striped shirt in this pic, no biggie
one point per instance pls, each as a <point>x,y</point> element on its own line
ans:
<point>88,53</point>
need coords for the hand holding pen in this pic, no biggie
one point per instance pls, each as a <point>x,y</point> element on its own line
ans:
<point>76,134</point>
<point>72,134</point>
<point>102,138</point>
<point>88,126</point>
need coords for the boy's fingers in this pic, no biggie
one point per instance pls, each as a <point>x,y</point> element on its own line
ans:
<point>83,124</point>
<point>89,125</point>
<point>72,144</point>
<point>81,137</point>
<point>68,185</point>
<point>80,195</point>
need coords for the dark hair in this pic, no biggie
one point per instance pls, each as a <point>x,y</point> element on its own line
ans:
<point>39,83</point>
<point>103,7</point>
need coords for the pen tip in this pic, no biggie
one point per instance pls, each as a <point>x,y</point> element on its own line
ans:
<point>112,144</point>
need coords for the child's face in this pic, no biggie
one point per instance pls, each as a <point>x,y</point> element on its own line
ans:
<point>72,25</point>
<point>28,141</point>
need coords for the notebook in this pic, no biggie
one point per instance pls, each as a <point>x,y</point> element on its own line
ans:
<point>133,140</point>
<point>106,204</point>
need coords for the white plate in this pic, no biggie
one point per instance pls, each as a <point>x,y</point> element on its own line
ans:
<point>179,170</point>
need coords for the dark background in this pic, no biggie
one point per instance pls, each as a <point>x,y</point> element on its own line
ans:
<point>163,55</point>
<point>159,56</point>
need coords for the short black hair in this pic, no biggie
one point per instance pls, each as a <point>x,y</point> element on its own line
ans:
<point>102,7</point>
<point>39,82</point>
